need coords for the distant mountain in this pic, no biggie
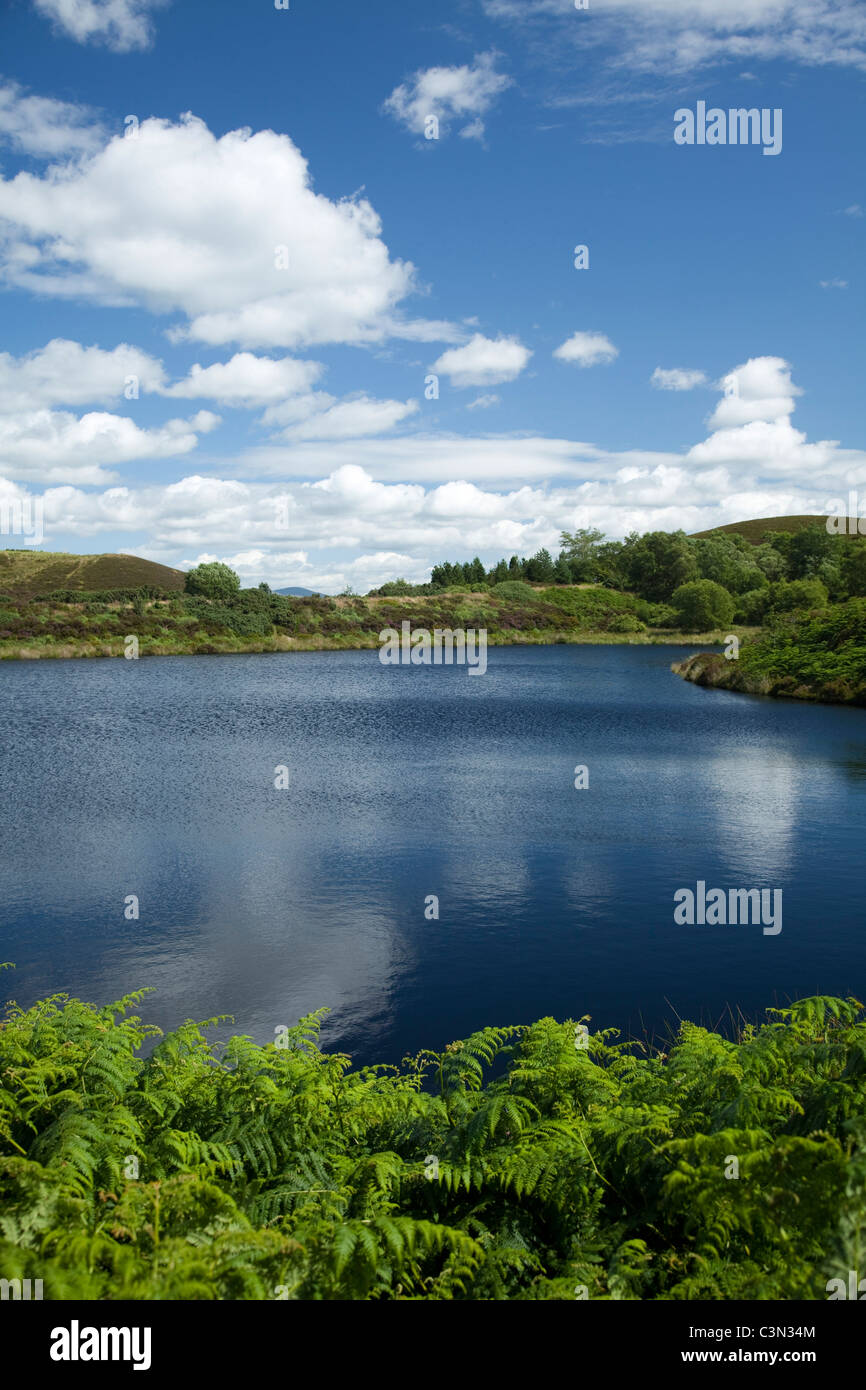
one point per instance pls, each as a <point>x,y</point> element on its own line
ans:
<point>26,573</point>
<point>296,593</point>
<point>753,530</point>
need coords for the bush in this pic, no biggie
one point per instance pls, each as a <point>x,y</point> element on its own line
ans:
<point>702,605</point>
<point>213,580</point>
<point>515,590</point>
<point>626,622</point>
<point>102,596</point>
<point>752,606</point>
<point>400,588</point>
<point>656,614</point>
<point>799,593</point>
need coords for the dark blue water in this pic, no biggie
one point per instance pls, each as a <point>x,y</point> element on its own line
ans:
<point>156,778</point>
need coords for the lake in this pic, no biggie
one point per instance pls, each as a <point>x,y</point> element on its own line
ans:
<point>156,778</point>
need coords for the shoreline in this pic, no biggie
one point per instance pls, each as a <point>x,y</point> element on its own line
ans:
<point>714,672</point>
<point>66,651</point>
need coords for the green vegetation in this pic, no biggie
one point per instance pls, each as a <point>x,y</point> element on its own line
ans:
<point>808,656</point>
<point>213,580</point>
<point>654,565</point>
<point>656,587</point>
<point>714,1169</point>
<point>702,604</point>
<point>515,589</point>
<point>68,624</point>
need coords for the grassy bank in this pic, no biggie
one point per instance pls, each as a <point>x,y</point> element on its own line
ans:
<point>588,1169</point>
<point>83,624</point>
<point>819,656</point>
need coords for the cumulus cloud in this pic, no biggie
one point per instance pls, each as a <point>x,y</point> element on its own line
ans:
<point>227,232</point>
<point>45,127</point>
<point>677,378</point>
<point>247,381</point>
<point>362,510</point>
<point>587,350</point>
<point>450,95</point>
<point>122,25</point>
<point>760,389</point>
<point>57,446</point>
<point>65,373</point>
<point>483,361</point>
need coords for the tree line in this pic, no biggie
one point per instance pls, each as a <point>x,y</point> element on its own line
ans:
<point>705,580</point>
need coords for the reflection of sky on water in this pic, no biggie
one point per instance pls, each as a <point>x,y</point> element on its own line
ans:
<point>265,904</point>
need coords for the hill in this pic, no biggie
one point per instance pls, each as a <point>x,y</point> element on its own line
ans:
<point>755,530</point>
<point>28,573</point>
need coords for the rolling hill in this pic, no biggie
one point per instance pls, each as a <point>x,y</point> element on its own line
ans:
<point>754,530</point>
<point>27,573</point>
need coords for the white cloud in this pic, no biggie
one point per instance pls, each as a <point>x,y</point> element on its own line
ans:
<point>247,381</point>
<point>176,220</point>
<point>449,94</point>
<point>65,373</point>
<point>677,378</point>
<point>683,35</point>
<point>833,284</point>
<point>587,350</point>
<point>381,507</point>
<point>44,126</point>
<point>854,210</point>
<point>483,361</point>
<point>483,402</point>
<point>351,419</point>
<point>122,25</point>
<point>760,389</point>
<point>57,446</point>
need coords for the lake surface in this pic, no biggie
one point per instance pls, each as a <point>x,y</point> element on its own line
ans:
<point>156,778</point>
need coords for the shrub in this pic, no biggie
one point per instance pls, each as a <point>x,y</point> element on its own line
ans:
<point>213,580</point>
<point>799,593</point>
<point>752,606</point>
<point>656,614</point>
<point>702,604</point>
<point>514,590</point>
<point>626,622</point>
<point>399,588</point>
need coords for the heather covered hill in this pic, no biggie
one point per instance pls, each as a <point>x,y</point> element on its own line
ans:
<point>30,573</point>
<point>755,531</point>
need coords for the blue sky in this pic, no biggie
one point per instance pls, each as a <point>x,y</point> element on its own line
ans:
<point>310,453</point>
